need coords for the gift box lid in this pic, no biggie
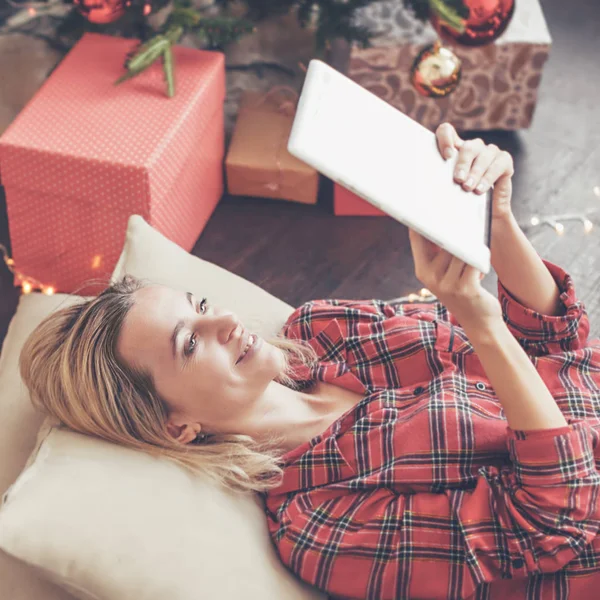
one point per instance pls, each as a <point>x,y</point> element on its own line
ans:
<point>81,132</point>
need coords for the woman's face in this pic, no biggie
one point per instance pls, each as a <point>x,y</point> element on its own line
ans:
<point>192,351</point>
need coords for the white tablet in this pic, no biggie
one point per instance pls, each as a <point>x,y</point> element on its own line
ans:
<point>368,146</point>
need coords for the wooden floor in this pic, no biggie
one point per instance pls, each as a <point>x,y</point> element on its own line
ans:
<point>303,252</point>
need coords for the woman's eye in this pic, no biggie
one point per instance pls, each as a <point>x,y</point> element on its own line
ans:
<point>202,304</point>
<point>191,345</point>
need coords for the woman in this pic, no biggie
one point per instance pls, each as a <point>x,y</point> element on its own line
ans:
<point>443,450</point>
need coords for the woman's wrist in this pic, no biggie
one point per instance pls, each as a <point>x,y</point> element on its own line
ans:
<point>504,222</point>
<point>484,330</point>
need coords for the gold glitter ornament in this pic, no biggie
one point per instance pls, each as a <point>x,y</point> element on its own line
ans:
<point>436,71</point>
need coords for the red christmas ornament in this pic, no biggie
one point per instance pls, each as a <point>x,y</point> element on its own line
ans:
<point>101,11</point>
<point>486,22</point>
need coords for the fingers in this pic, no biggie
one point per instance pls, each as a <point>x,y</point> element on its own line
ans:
<point>441,272</point>
<point>480,165</point>
<point>449,275</point>
<point>466,156</point>
<point>447,140</point>
<point>423,252</point>
<point>450,279</point>
<point>501,166</point>
<point>470,277</point>
<point>439,267</point>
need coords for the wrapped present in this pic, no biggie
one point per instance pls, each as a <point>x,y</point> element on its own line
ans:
<point>347,203</point>
<point>499,82</point>
<point>258,163</point>
<point>84,155</point>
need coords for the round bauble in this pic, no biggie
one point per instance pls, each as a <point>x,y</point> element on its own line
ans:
<point>436,71</point>
<point>101,11</point>
<point>486,21</point>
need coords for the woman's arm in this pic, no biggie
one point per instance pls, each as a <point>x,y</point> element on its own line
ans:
<point>532,517</point>
<point>522,392</point>
<point>526,400</point>
<point>521,270</point>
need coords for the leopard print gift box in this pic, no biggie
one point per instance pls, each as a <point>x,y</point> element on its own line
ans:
<point>499,84</point>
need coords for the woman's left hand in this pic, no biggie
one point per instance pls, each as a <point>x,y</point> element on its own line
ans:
<point>478,167</point>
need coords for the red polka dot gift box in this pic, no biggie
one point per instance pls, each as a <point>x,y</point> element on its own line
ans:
<point>85,154</point>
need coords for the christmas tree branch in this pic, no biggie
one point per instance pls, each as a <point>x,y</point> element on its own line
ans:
<point>53,8</point>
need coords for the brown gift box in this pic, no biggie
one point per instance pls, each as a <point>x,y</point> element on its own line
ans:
<point>258,163</point>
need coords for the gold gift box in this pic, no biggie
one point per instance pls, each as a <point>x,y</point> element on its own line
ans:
<point>258,163</point>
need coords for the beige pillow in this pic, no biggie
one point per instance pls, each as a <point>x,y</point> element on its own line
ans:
<point>111,523</point>
<point>19,425</point>
<point>149,255</point>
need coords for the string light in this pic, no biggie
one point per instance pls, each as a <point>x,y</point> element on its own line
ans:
<point>424,295</point>
<point>28,284</point>
<point>560,228</point>
<point>557,221</point>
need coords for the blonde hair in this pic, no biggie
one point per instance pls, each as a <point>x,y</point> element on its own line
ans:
<point>73,372</point>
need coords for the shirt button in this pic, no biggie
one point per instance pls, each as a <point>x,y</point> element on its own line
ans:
<point>518,563</point>
<point>480,386</point>
<point>418,390</point>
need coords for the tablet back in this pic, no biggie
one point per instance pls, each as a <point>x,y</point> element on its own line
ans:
<point>362,142</point>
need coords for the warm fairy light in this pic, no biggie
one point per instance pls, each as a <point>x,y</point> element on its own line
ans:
<point>413,297</point>
<point>32,12</point>
<point>96,261</point>
<point>535,220</point>
<point>587,225</point>
<point>28,284</point>
<point>425,293</point>
<point>560,228</point>
<point>147,9</point>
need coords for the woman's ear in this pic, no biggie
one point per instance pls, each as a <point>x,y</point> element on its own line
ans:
<point>184,432</point>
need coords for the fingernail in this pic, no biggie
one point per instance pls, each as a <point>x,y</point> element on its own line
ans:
<point>481,187</point>
<point>460,175</point>
<point>448,153</point>
<point>469,182</point>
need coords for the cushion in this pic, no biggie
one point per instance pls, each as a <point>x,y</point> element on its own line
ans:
<point>19,424</point>
<point>112,523</point>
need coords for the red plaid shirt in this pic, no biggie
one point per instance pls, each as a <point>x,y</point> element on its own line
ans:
<point>422,490</point>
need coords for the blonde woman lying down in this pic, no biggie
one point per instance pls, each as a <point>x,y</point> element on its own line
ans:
<point>436,450</point>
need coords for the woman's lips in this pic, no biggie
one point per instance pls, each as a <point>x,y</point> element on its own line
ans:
<point>255,343</point>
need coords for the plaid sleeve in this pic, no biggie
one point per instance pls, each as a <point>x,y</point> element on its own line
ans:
<point>531,518</point>
<point>544,334</point>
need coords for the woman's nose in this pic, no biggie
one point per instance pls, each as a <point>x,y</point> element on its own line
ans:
<point>223,324</point>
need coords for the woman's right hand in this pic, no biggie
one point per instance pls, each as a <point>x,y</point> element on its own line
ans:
<point>456,284</point>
